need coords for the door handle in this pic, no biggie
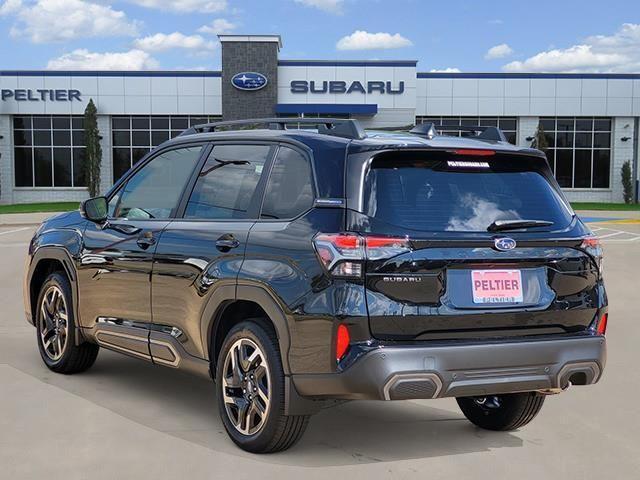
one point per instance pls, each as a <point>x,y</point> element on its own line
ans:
<point>146,239</point>
<point>227,242</point>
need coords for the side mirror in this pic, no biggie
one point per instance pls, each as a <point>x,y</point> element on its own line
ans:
<point>95,209</point>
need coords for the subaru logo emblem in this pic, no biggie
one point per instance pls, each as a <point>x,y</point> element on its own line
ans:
<point>504,243</point>
<point>249,81</point>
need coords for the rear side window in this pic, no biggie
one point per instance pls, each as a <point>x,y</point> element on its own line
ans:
<point>441,195</point>
<point>227,182</point>
<point>289,190</point>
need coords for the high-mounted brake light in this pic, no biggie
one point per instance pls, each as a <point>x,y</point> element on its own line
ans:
<point>342,341</point>
<point>474,152</point>
<point>343,254</point>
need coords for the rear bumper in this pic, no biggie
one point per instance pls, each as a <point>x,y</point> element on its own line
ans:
<point>412,372</point>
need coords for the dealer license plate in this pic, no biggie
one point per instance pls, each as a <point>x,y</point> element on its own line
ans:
<point>496,286</point>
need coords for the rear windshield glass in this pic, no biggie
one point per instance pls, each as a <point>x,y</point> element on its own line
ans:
<point>456,195</point>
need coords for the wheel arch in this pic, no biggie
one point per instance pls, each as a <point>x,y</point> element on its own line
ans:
<point>249,301</point>
<point>45,261</point>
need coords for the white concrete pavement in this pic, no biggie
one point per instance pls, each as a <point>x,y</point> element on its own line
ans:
<point>127,419</point>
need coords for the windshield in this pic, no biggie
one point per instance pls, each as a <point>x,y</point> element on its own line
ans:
<point>460,196</point>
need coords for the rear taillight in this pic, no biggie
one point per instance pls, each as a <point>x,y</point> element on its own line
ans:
<point>342,341</point>
<point>602,324</point>
<point>592,246</point>
<point>343,254</point>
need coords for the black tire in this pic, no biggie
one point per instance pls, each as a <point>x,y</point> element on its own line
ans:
<point>71,358</point>
<point>277,431</point>
<point>501,412</point>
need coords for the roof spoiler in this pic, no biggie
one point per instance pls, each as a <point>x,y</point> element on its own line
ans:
<point>336,127</point>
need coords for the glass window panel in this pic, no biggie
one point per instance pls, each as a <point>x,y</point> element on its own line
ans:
<point>61,123</point>
<point>450,121</point>
<point>564,167</point>
<point>565,124</point>
<point>121,123</point>
<point>564,139</point>
<point>584,124</point>
<point>472,121</point>
<point>154,190</point>
<point>602,124</point>
<point>175,133</point>
<point>511,137</point>
<point>78,138</point>
<point>159,136</point>
<point>42,123</point>
<point>21,137</point>
<point>198,120</point>
<point>549,124</point>
<point>224,190</point>
<point>140,123</point>
<point>21,122</point>
<point>78,167</point>
<point>141,138</point>
<point>121,162</point>
<point>160,123</point>
<point>62,167</point>
<point>508,124</point>
<point>42,164</point>
<point>416,193</point>
<point>23,167</point>
<point>77,123</point>
<point>582,169</point>
<point>289,190</point>
<point>583,140</point>
<point>602,140</point>
<point>179,123</point>
<point>121,138</point>
<point>550,158</point>
<point>62,138</point>
<point>551,139</point>
<point>601,168</point>
<point>42,137</point>
<point>138,154</point>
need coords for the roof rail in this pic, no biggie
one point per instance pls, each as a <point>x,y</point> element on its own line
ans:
<point>336,127</point>
<point>483,133</point>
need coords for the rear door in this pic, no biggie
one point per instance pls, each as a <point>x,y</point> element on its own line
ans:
<point>201,252</point>
<point>458,279</point>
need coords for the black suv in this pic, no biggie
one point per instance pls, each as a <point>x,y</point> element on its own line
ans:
<point>308,261</point>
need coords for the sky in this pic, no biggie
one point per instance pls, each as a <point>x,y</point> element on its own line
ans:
<point>462,35</point>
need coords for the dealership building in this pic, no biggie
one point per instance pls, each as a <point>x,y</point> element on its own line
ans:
<point>590,120</point>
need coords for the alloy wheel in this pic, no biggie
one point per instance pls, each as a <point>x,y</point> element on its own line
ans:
<point>246,386</point>
<point>54,323</point>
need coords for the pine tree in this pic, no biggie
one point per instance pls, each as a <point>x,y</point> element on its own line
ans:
<point>627,182</point>
<point>93,152</point>
<point>540,140</point>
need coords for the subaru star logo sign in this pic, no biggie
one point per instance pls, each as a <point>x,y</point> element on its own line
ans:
<point>504,243</point>
<point>249,81</point>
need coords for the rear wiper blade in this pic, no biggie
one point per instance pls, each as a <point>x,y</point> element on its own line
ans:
<point>502,225</point>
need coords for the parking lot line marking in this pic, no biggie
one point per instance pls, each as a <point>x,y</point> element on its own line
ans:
<point>14,231</point>
<point>611,234</point>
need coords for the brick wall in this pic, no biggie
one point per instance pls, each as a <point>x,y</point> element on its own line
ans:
<point>261,57</point>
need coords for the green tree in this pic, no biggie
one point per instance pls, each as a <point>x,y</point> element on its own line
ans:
<point>540,139</point>
<point>93,151</point>
<point>627,182</point>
